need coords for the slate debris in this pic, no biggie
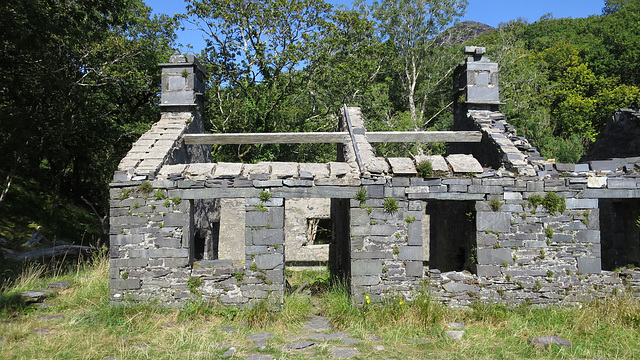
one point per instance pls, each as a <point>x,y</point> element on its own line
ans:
<point>550,340</point>
<point>344,352</point>
<point>299,345</point>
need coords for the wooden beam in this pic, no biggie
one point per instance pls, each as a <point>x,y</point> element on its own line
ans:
<point>424,136</point>
<point>332,137</point>
<point>268,138</point>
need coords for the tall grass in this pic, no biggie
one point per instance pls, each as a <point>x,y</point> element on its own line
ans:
<point>92,328</point>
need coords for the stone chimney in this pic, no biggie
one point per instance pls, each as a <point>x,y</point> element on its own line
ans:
<point>182,84</point>
<point>475,85</point>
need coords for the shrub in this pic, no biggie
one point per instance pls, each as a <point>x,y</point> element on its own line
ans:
<point>145,187</point>
<point>425,168</point>
<point>390,205</point>
<point>361,195</point>
<point>265,196</point>
<point>554,203</point>
<point>495,204</point>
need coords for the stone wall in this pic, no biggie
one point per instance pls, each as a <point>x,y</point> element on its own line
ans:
<point>389,236</point>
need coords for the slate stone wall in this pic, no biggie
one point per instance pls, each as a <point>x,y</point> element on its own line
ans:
<point>515,251</point>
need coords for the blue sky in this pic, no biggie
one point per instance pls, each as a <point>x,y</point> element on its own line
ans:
<point>491,12</point>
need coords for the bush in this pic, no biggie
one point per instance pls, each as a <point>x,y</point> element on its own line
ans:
<point>425,168</point>
<point>390,205</point>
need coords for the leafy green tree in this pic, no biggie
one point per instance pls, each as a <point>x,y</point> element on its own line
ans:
<point>78,84</point>
<point>254,52</point>
<point>412,27</point>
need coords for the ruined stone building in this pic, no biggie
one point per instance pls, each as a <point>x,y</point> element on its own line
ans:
<point>487,226</point>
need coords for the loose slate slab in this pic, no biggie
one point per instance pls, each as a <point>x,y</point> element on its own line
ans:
<point>549,340</point>
<point>339,169</point>
<point>377,165</point>
<point>260,336</point>
<point>58,285</point>
<point>200,171</point>
<point>227,170</point>
<point>315,169</point>
<point>343,352</point>
<point>258,357</point>
<point>260,168</point>
<point>283,170</point>
<point>171,170</point>
<point>402,166</point>
<point>37,296</point>
<point>455,334</point>
<point>299,345</point>
<point>317,324</point>
<point>229,353</point>
<point>438,163</point>
<point>463,163</point>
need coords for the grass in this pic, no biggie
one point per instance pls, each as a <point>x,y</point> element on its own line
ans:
<point>92,328</point>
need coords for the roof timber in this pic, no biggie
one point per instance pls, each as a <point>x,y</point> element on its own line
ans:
<point>332,137</point>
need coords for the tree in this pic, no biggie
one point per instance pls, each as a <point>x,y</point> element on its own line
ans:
<point>413,28</point>
<point>78,84</point>
<point>254,52</point>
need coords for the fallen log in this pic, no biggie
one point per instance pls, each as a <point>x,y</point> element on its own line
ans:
<point>56,251</point>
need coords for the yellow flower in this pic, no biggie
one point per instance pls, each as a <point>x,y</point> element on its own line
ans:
<point>368,301</point>
<point>401,302</point>
<point>367,297</point>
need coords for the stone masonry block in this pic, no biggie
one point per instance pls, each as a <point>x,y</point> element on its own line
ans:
<point>486,239</point>
<point>167,242</point>
<point>589,265</point>
<point>410,253</point>
<point>365,280</point>
<point>493,221</point>
<point>128,263</point>
<point>267,236</point>
<point>374,191</point>
<point>414,230</point>
<point>122,239</point>
<point>414,268</point>
<point>125,284</point>
<point>630,183</point>
<point>366,267</point>
<point>176,219</point>
<point>588,236</point>
<point>359,217</point>
<point>488,270</point>
<point>495,256</point>
<point>562,238</point>
<point>127,220</point>
<point>573,204</point>
<point>169,253</point>
<point>274,218</point>
<point>269,261</point>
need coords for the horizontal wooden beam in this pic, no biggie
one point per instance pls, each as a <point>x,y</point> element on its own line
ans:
<point>424,136</point>
<point>268,138</point>
<point>332,137</point>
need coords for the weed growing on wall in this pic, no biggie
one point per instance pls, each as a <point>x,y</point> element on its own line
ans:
<point>361,196</point>
<point>425,169</point>
<point>265,196</point>
<point>390,205</point>
<point>495,204</point>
